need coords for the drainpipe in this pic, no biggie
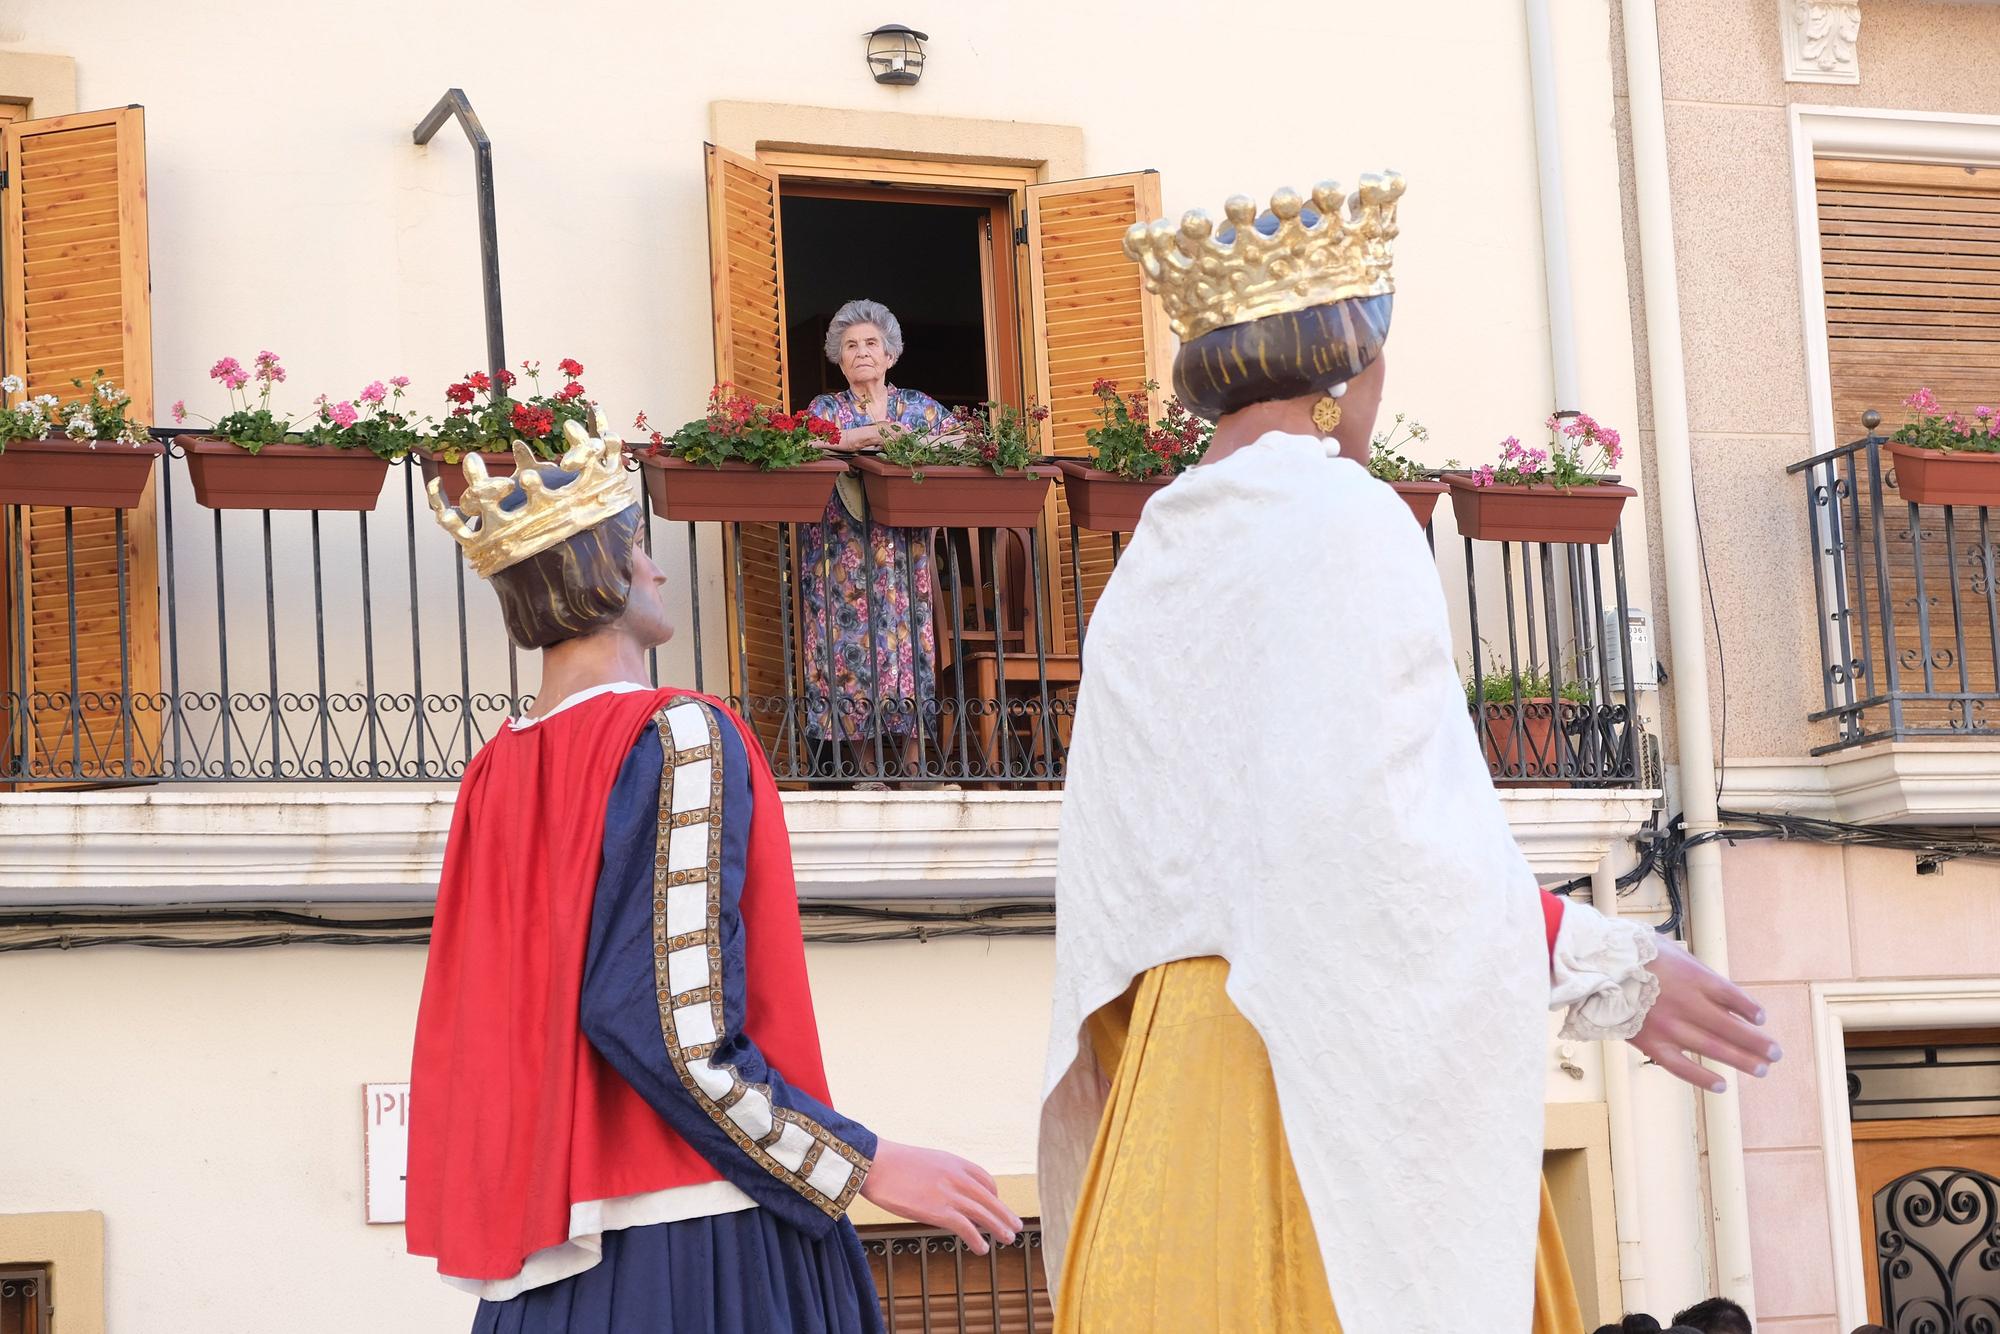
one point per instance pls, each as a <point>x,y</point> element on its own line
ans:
<point>1626,1167</point>
<point>1681,553</point>
<point>1555,228</point>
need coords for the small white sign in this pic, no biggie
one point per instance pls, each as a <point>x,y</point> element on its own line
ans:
<point>385,1148</point>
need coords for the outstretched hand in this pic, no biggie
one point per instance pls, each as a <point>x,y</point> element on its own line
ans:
<point>942,1189</point>
<point>1702,1013</point>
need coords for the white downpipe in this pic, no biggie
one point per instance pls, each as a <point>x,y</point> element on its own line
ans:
<point>1627,1168</point>
<point>1555,225</point>
<point>1681,554</point>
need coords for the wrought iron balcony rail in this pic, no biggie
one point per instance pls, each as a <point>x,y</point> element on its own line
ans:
<point>180,644</point>
<point>1907,611</point>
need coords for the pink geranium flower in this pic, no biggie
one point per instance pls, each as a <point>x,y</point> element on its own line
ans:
<point>180,410</point>
<point>343,414</point>
<point>374,393</point>
<point>224,369</point>
<point>400,381</point>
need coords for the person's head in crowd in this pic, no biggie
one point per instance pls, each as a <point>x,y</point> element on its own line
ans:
<point>1717,1315</point>
<point>1873,1329</point>
<point>1638,1322</point>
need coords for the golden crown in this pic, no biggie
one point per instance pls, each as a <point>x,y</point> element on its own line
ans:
<point>1208,284</point>
<point>495,538</point>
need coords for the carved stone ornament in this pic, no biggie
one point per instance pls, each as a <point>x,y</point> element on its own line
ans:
<point>1820,39</point>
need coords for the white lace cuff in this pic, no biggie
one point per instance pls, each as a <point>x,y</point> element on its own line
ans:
<point>1598,969</point>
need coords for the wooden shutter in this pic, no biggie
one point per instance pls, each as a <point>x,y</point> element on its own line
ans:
<point>77,300</point>
<point>1910,268</point>
<point>747,287</point>
<point>1089,319</point>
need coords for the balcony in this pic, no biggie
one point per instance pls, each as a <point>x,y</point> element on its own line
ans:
<point>1908,622</point>
<point>231,669</point>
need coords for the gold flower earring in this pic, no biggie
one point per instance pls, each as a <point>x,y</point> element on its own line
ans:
<point>1326,415</point>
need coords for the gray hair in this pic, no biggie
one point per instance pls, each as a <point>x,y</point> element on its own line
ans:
<point>864,311</point>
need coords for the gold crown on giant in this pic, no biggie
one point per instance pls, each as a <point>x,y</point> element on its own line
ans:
<point>495,538</point>
<point>1207,284</point>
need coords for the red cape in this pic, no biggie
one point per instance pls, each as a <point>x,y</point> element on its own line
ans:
<point>514,1117</point>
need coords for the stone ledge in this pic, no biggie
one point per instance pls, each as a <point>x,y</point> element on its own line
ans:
<point>333,845</point>
<point>1943,782</point>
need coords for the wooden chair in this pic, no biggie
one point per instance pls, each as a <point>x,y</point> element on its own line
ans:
<point>970,569</point>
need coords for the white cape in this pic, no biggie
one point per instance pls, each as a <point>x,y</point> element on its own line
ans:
<point>1272,763</point>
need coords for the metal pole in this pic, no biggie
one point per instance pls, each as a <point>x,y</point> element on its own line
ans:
<point>454,104</point>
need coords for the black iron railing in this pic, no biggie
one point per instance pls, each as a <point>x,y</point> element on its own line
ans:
<point>189,645</point>
<point>1908,613</point>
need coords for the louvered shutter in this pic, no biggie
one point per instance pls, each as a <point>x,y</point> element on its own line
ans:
<point>746,284</point>
<point>76,301</point>
<point>1089,319</point>
<point>1910,269</point>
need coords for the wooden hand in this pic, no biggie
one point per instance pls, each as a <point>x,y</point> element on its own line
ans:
<point>1702,1013</point>
<point>942,1189</point>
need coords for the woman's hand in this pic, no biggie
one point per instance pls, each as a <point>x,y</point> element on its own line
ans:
<point>1703,1013</point>
<point>942,1189</point>
<point>860,437</point>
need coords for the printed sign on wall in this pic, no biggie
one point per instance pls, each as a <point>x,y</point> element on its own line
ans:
<point>385,1148</point>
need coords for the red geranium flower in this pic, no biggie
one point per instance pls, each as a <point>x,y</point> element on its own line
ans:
<point>1100,385</point>
<point>574,389</point>
<point>570,366</point>
<point>506,377</point>
<point>784,421</point>
<point>479,381</point>
<point>531,421</point>
<point>459,393</point>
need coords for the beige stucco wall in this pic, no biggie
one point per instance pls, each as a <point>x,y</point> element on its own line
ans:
<point>208,1105</point>
<point>290,210</point>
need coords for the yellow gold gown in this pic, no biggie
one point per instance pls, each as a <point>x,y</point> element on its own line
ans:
<point>1158,1246</point>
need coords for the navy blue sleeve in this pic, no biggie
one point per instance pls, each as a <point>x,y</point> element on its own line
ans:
<point>666,922</point>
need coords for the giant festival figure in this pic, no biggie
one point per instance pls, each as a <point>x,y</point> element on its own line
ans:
<point>1295,1065</point>
<point>620,1118</point>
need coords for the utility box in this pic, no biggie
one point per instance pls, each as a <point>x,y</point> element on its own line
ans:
<point>1646,668</point>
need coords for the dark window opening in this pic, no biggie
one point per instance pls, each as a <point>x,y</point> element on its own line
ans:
<point>922,261</point>
<point>24,1299</point>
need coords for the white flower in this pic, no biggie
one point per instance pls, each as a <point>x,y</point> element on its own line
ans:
<point>13,384</point>
<point>48,400</point>
<point>107,391</point>
<point>80,427</point>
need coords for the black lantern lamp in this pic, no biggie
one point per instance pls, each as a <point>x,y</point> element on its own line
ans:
<point>896,54</point>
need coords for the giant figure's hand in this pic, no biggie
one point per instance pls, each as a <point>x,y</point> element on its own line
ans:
<point>1703,1013</point>
<point>942,1189</point>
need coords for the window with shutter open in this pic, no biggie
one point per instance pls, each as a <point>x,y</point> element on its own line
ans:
<point>82,647</point>
<point>1089,319</point>
<point>746,284</point>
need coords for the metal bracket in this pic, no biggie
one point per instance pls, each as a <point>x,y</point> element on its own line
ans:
<point>455,104</point>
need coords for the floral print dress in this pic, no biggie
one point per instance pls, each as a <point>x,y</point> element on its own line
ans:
<point>852,567</point>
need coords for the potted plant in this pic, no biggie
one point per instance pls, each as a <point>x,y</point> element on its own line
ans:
<point>1941,458</point>
<point>89,454</point>
<point>1418,487</point>
<point>1558,494</point>
<point>1522,718</point>
<point>485,419</point>
<point>741,461</point>
<point>980,472</point>
<point>255,459</point>
<point>1133,457</point>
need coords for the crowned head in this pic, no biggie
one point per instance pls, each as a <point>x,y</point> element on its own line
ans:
<point>558,540</point>
<point>1276,304</point>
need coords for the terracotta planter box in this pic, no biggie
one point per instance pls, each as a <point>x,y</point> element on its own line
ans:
<point>1103,501</point>
<point>1585,515</point>
<point>739,492</point>
<point>1525,749</point>
<point>953,497</point>
<point>102,474</point>
<point>1421,497</point>
<point>451,476</point>
<point>1946,477</point>
<point>284,477</point>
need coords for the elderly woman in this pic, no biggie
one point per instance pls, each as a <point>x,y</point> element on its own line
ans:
<point>857,573</point>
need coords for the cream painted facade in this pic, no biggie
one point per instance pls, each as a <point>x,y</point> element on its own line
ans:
<point>209,1099</point>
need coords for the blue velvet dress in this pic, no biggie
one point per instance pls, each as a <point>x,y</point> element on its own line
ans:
<point>782,1267</point>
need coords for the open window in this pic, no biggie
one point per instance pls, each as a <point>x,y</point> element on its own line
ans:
<point>1008,289</point>
<point>79,665</point>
